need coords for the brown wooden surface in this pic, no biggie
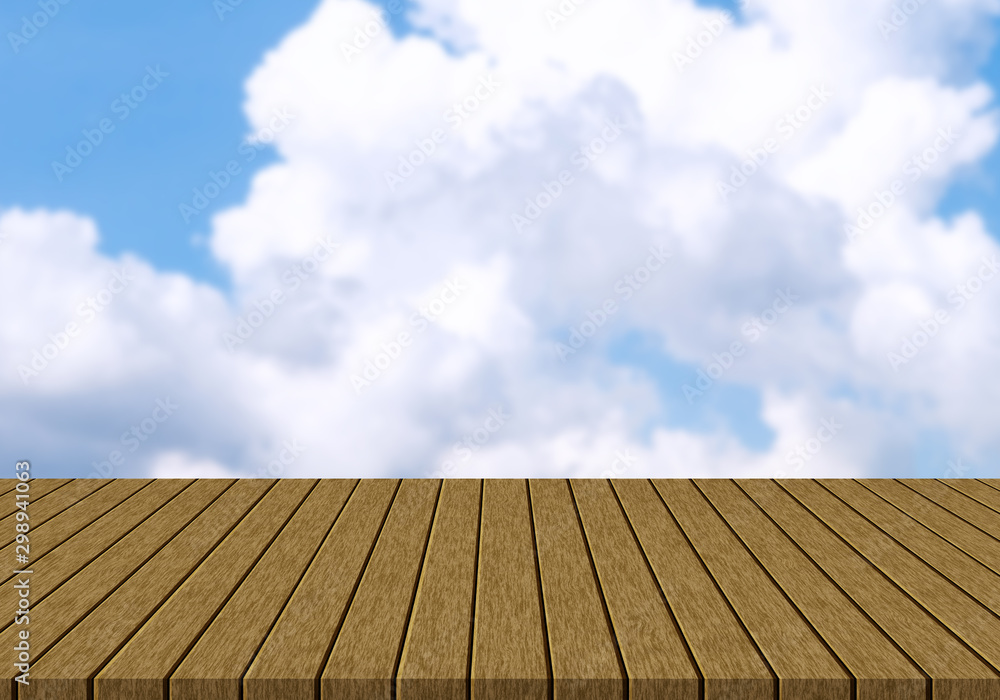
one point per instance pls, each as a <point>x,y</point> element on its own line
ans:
<point>798,656</point>
<point>289,663</point>
<point>956,670</point>
<point>214,666</point>
<point>437,652</point>
<point>364,658</point>
<point>509,651</point>
<point>655,654</point>
<point>727,656</point>
<point>585,662</point>
<point>583,589</point>
<point>881,670</point>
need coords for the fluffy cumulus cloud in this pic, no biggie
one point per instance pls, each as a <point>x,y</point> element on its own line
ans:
<point>561,239</point>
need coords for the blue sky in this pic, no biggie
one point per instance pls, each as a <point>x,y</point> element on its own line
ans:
<point>70,76</point>
<point>67,77</point>
<point>193,123</point>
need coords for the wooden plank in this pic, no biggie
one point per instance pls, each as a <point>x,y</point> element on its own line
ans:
<point>8,491</point>
<point>968,618</point>
<point>585,663</point>
<point>804,665</point>
<point>583,589</point>
<point>957,673</point>
<point>39,489</point>
<point>961,506</point>
<point>951,562</point>
<point>158,647</point>
<point>47,508</point>
<point>509,652</point>
<point>57,530</point>
<point>728,658</point>
<point>56,566</point>
<point>215,665</point>
<point>981,490</point>
<point>949,523</point>
<point>363,662</point>
<point>438,647</point>
<point>656,658</point>
<point>106,567</point>
<point>292,657</point>
<point>882,671</point>
<point>93,616</point>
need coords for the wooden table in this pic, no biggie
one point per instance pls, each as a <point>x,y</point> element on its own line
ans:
<point>418,589</point>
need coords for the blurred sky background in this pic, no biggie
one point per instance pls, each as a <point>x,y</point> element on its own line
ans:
<point>254,270</point>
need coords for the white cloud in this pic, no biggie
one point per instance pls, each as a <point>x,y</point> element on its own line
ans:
<point>177,465</point>
<point>294,377</point>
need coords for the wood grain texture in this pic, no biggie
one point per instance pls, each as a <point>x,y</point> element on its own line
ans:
<point>708,589</point>
<point>39,488</point>
<point>292,657</point>
<point>967,525</point>
<point>158,647</point>
<point>509,649</point>
<point>986,491</point>
<point>957,672</point>
<point>60,565</point>
<point>960,612</point>
<point>585,664</point>
<point>52,504</point>
<point>60,528</point>
<point>969,499</point>
<point>882,671</point>
<point>215,665</point>
<point>798,656</point>
<point>728,658</point>
<point>438,647</point>
<point>366,653</point>
<point>96,612</point>
<point>962,570</point>
<point>655,655</point>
